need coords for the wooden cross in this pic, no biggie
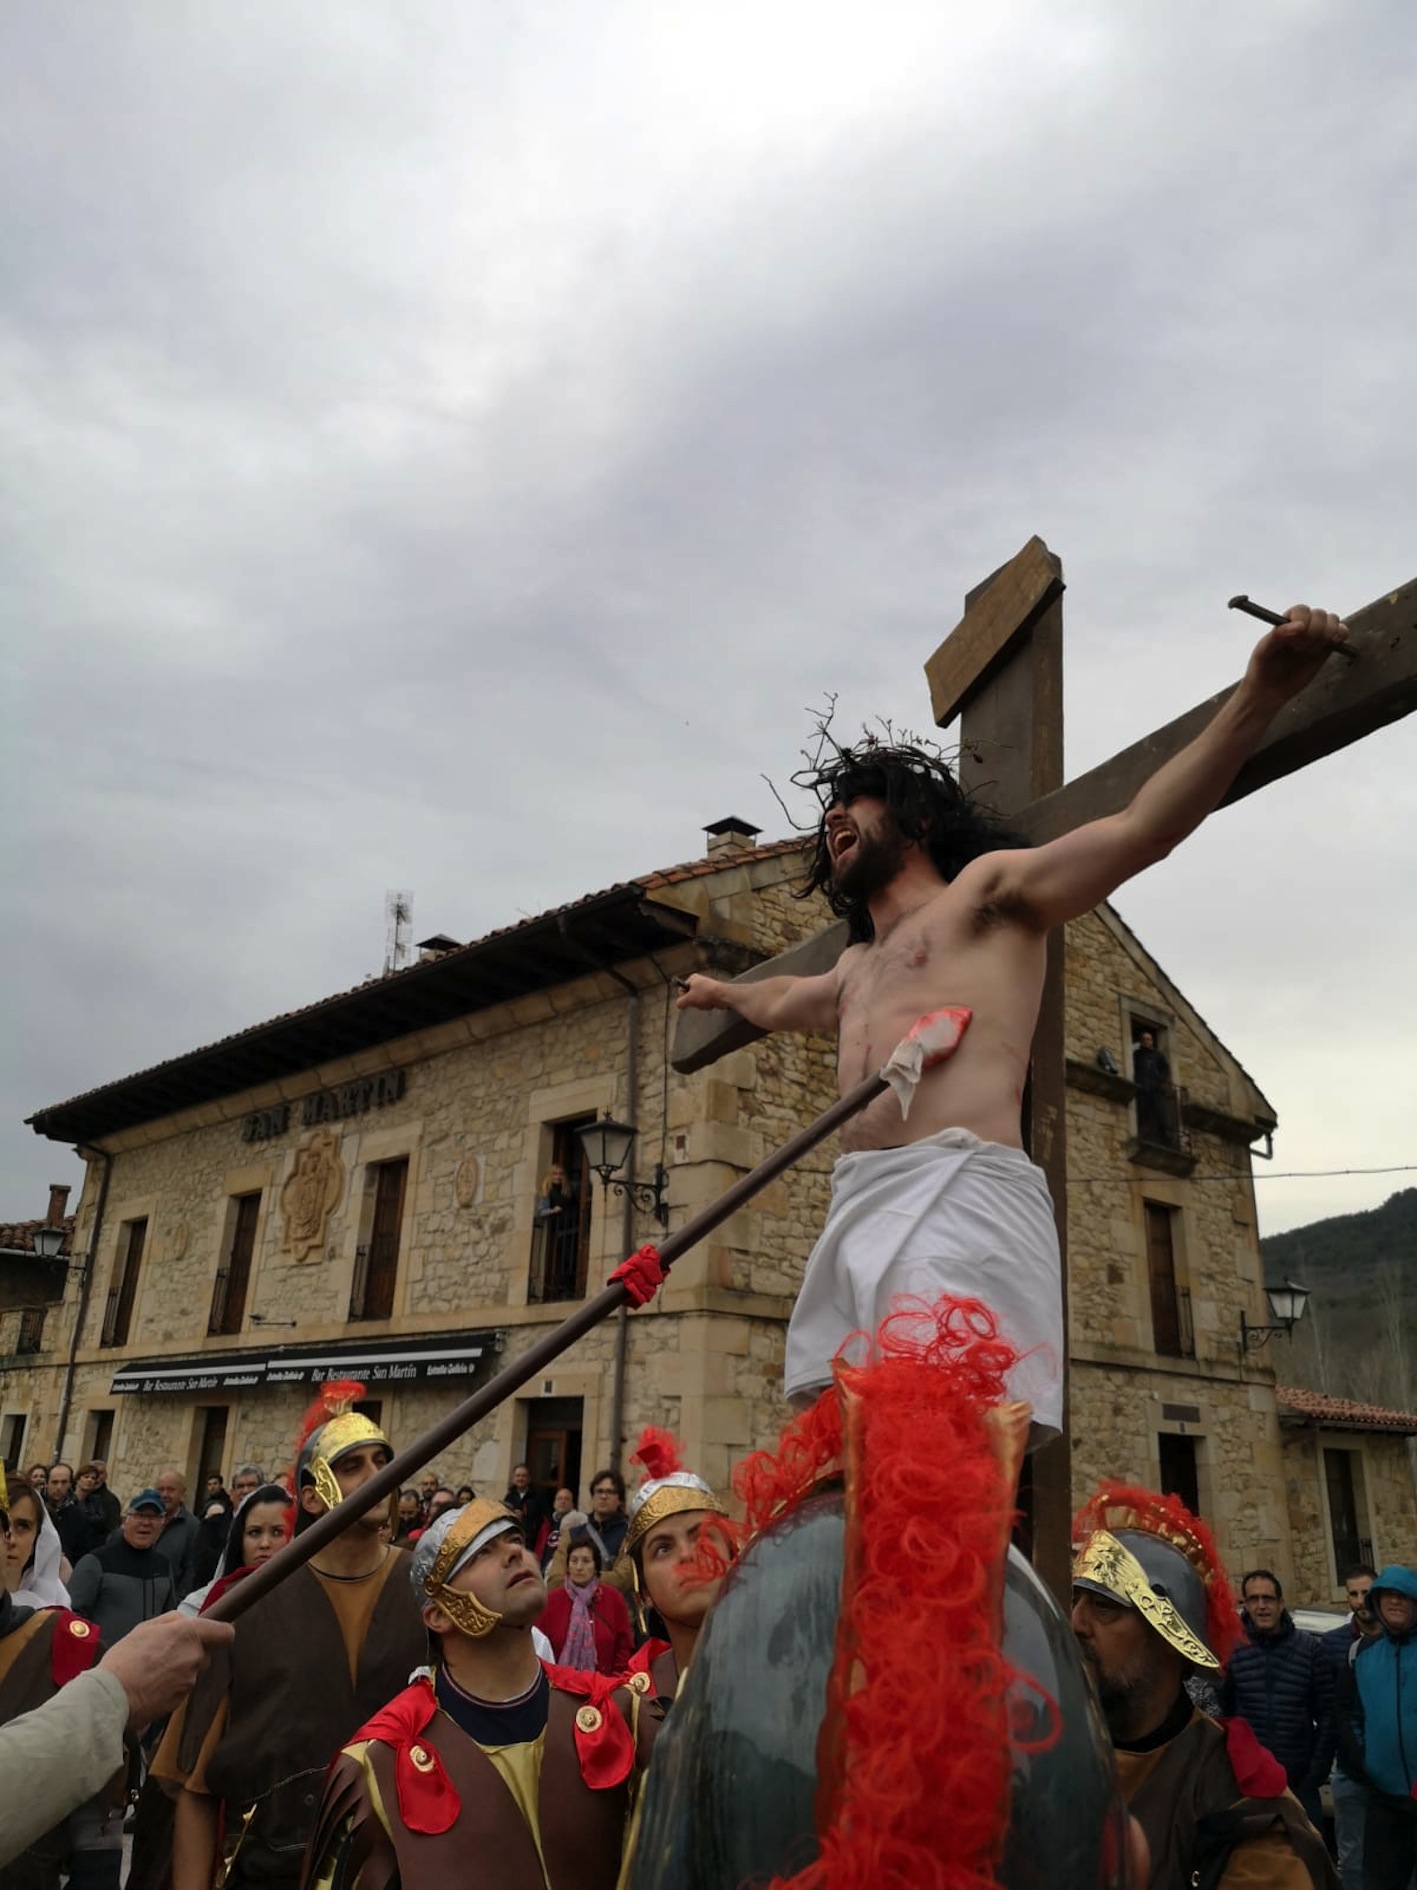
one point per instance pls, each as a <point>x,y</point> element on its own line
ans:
<point>1001,671</point>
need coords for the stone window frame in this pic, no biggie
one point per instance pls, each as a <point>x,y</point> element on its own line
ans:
<point>1145,1010</point>
<point>261,1178</point>
<point>1167,1192</point>
<point>547,1106</point>
<point>117,1220</point>
<point>1356,1443</point>
<point>1201,1436</point>
<point>373,1147</point>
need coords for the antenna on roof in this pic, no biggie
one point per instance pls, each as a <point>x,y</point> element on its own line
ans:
<point>398,916</point>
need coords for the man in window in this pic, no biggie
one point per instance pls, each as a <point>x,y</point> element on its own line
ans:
<point>1151,1072</point>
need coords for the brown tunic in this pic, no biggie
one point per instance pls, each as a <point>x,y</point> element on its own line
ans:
<point>1170,1789</point>
<point>363,1844</point>
<point>280,1700</point>
<point>27,1681</point>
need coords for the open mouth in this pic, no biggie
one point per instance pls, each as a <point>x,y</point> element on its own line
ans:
<point>841,843</point>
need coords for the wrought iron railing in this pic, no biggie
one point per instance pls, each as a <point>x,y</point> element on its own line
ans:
<point>1161,1121</point>
<point>559,1262</point>
<point>31,1335</point>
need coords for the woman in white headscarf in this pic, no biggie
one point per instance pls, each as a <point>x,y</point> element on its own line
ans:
<point>32,1553</point>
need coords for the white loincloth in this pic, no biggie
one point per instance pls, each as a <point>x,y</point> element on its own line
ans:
<point>947,1215</point>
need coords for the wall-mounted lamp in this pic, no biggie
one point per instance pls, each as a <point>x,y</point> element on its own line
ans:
<point>1287,1303</point>
<point>607,1144</point>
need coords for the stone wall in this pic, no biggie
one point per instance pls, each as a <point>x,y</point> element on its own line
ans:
<point>1388,1513</point>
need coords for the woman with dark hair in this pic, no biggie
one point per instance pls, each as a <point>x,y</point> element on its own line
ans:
<point>33,1563</point>
<point>261,1523</point>
<point>587,1622</point>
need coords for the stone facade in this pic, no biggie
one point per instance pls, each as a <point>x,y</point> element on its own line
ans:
<point>474,1112</point>
<point>1377,1468</point>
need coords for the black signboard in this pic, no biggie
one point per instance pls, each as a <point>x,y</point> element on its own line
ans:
<point>444,1359</point>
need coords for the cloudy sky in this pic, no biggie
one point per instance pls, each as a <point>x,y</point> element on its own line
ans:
<point>451,446</point>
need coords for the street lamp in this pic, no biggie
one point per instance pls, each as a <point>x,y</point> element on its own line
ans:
<point>607,1144</point>
<point>47,1241</point>
<point>1287,1303</point>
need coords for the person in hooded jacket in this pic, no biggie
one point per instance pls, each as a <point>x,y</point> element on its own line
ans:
<point>1377,1729</point>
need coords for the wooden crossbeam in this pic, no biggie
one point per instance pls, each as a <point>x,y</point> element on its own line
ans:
<point>1345,703</point>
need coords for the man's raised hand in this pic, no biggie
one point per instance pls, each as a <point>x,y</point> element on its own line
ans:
<point>1293,653</point>
<point>698,993</point>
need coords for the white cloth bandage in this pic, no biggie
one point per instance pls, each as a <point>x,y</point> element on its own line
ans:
<point>929,1041</point>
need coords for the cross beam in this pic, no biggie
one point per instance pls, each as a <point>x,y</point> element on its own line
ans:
<point>1346,702</point>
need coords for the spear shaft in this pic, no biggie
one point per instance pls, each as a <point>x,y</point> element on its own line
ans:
<point>395,1473</point>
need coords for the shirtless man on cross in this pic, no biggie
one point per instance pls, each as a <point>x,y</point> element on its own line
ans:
<point>945,910</point>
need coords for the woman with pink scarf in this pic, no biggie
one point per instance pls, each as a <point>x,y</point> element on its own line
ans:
<point>587,1623</point>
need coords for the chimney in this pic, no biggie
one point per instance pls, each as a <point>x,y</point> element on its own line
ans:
<point>729,836</point>
<point>58,1201</point>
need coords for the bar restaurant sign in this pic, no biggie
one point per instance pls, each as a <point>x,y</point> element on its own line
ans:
<point>454,1357</point>
<point>327,1105</point>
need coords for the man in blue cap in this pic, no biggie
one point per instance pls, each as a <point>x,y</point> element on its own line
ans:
<point>1377,1729</point>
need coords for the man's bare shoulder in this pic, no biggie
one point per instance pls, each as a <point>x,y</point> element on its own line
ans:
<point>986,890</point>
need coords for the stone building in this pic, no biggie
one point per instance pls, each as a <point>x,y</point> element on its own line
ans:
<point>352,1189</point>
<point>1348,1471</point>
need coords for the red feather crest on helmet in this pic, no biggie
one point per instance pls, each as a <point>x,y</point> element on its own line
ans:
<point>1127,1506</point>
<point>336,1396</point>
<point>659,1452</point>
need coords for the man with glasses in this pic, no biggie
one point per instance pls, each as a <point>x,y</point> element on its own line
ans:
<point>1281,1683</point>
<point>607,1528</point>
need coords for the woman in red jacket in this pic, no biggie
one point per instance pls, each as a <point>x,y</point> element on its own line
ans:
<point>587,1623</point>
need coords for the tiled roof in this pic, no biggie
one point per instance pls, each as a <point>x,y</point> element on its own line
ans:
<point>1318,1407</point>
<point>20,1234</point>
<point>620,923</point>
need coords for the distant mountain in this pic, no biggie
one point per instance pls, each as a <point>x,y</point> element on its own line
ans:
<point>1358,1336</point>
<point>1341,1258</point>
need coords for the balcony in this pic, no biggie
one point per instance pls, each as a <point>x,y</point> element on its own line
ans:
<point>1162,1139</point>
<point>559,1257</point>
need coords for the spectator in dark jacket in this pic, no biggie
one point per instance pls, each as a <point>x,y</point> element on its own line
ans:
<point>180,1529</point>
<point>1280,1681</point>
<point>1350,1795</point>
<point>129,1579</point>
<point>529,1507</point>
<point>77,1525</point>
<point>1377,1729</point>
<point>105,1501</point>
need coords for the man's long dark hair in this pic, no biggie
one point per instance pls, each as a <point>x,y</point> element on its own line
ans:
<point>924,798</point>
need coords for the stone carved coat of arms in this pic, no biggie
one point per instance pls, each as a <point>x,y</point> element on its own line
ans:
<point>311,1194</point>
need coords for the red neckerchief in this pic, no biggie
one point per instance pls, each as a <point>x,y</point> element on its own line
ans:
<point>427,1801</point>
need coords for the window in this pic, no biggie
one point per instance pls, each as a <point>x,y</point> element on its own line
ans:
<point>376,1264</point>
<point>12,1441</point>
<point>31,1338</point>
<point>560,1245</point>
<point>1347,1510</point>
<point>118,1314</point>
<point>213,1452</point>
<point>1170,1304</point>
<point>1178,1469</point>
<point>98,1436</point>
<point>228,1309</point>
<point>1158,1102</point>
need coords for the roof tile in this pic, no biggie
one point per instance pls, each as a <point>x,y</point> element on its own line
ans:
<point>1295,1401</point>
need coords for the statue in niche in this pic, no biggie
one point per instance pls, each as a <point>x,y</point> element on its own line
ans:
<point>311,1194</point>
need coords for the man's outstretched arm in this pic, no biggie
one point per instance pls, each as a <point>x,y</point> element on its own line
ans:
<point>1072,874</point>
<point>768,1003</point>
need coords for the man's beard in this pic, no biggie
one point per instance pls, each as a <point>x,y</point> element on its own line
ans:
<point>1122,1694</point>
<point>870,866</point>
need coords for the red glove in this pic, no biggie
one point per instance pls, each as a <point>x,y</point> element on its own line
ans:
<point>642,1274</point>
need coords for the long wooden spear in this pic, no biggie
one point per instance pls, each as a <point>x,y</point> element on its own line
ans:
<point>929,1041</point>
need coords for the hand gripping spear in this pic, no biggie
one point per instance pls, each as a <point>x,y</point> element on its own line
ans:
<point>929,1041</point>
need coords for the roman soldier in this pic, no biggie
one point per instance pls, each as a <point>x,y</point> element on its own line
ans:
<point>674,1579</point>
<point>41,1649</point>
<point>1152,1605</point>
<point>494,1767</point>
<point>311,1660</point>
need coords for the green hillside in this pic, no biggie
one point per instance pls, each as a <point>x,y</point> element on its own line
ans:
<point>1358,1337</point>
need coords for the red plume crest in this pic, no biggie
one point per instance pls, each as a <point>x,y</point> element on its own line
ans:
<point>1127,1506</point>
<point>659,1452</point>
<point>336,1395</point>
